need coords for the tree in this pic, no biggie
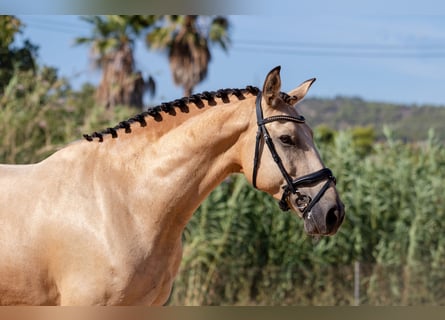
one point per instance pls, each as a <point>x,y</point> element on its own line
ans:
<point>363,139</point>
<point>187,39</point>
<point>112,45</point>
<point>14,58</point>
<point>324,134</point>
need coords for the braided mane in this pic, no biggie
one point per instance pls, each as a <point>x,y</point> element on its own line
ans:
<point>169,107</point>
<point>182,104</point>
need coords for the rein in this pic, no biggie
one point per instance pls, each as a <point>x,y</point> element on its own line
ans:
<point>304,202</point>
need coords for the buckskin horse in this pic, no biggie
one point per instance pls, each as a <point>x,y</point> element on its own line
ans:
<point>99,222</point>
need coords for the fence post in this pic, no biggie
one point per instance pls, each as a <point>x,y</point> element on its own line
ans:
<point>357,283</point>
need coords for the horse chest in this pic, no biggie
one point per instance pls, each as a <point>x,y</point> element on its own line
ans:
<point>150,280</point>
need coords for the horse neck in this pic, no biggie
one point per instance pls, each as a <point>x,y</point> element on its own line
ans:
<point>174,168</point>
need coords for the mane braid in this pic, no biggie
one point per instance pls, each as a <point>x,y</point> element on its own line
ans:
<point>169,107</point>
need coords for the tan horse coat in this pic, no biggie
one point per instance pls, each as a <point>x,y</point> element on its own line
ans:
<point>100,223</point>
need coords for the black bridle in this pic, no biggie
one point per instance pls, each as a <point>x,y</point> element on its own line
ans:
<point>304,202</point>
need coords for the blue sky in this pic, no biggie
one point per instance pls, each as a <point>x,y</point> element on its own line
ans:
<point>396,55</point>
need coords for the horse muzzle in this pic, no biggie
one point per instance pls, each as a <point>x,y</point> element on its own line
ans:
<point>324,219</point>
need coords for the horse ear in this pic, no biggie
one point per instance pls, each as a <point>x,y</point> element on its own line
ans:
<point>299,92</point>
<point>272,86</point>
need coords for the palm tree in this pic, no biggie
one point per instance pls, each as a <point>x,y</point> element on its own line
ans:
<point>112,44</point>
<point>12,56</point>
<point>187,40</point>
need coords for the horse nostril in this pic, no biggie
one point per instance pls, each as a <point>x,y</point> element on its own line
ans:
<point>332,218</point>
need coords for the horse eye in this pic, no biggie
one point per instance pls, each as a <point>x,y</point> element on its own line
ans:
<point>286,139</point>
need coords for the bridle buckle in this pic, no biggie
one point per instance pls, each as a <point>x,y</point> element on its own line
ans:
<point>302,201</point>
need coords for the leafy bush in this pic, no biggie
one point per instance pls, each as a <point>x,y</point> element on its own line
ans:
<point>39,113</point>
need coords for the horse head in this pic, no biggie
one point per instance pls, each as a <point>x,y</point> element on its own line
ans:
<point>284,162</point>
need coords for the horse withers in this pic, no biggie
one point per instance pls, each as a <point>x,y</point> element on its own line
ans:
<point>100,221</point>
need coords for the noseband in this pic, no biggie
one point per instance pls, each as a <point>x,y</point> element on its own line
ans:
<point>303,202</point>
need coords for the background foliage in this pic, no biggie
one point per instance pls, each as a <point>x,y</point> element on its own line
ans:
<point>40,113</point>
<point>408,122</point>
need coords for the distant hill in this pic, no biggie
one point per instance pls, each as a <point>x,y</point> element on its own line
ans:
<point>408,122</point>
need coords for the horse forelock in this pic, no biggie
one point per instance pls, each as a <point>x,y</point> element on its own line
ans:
<point>170,108</point>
